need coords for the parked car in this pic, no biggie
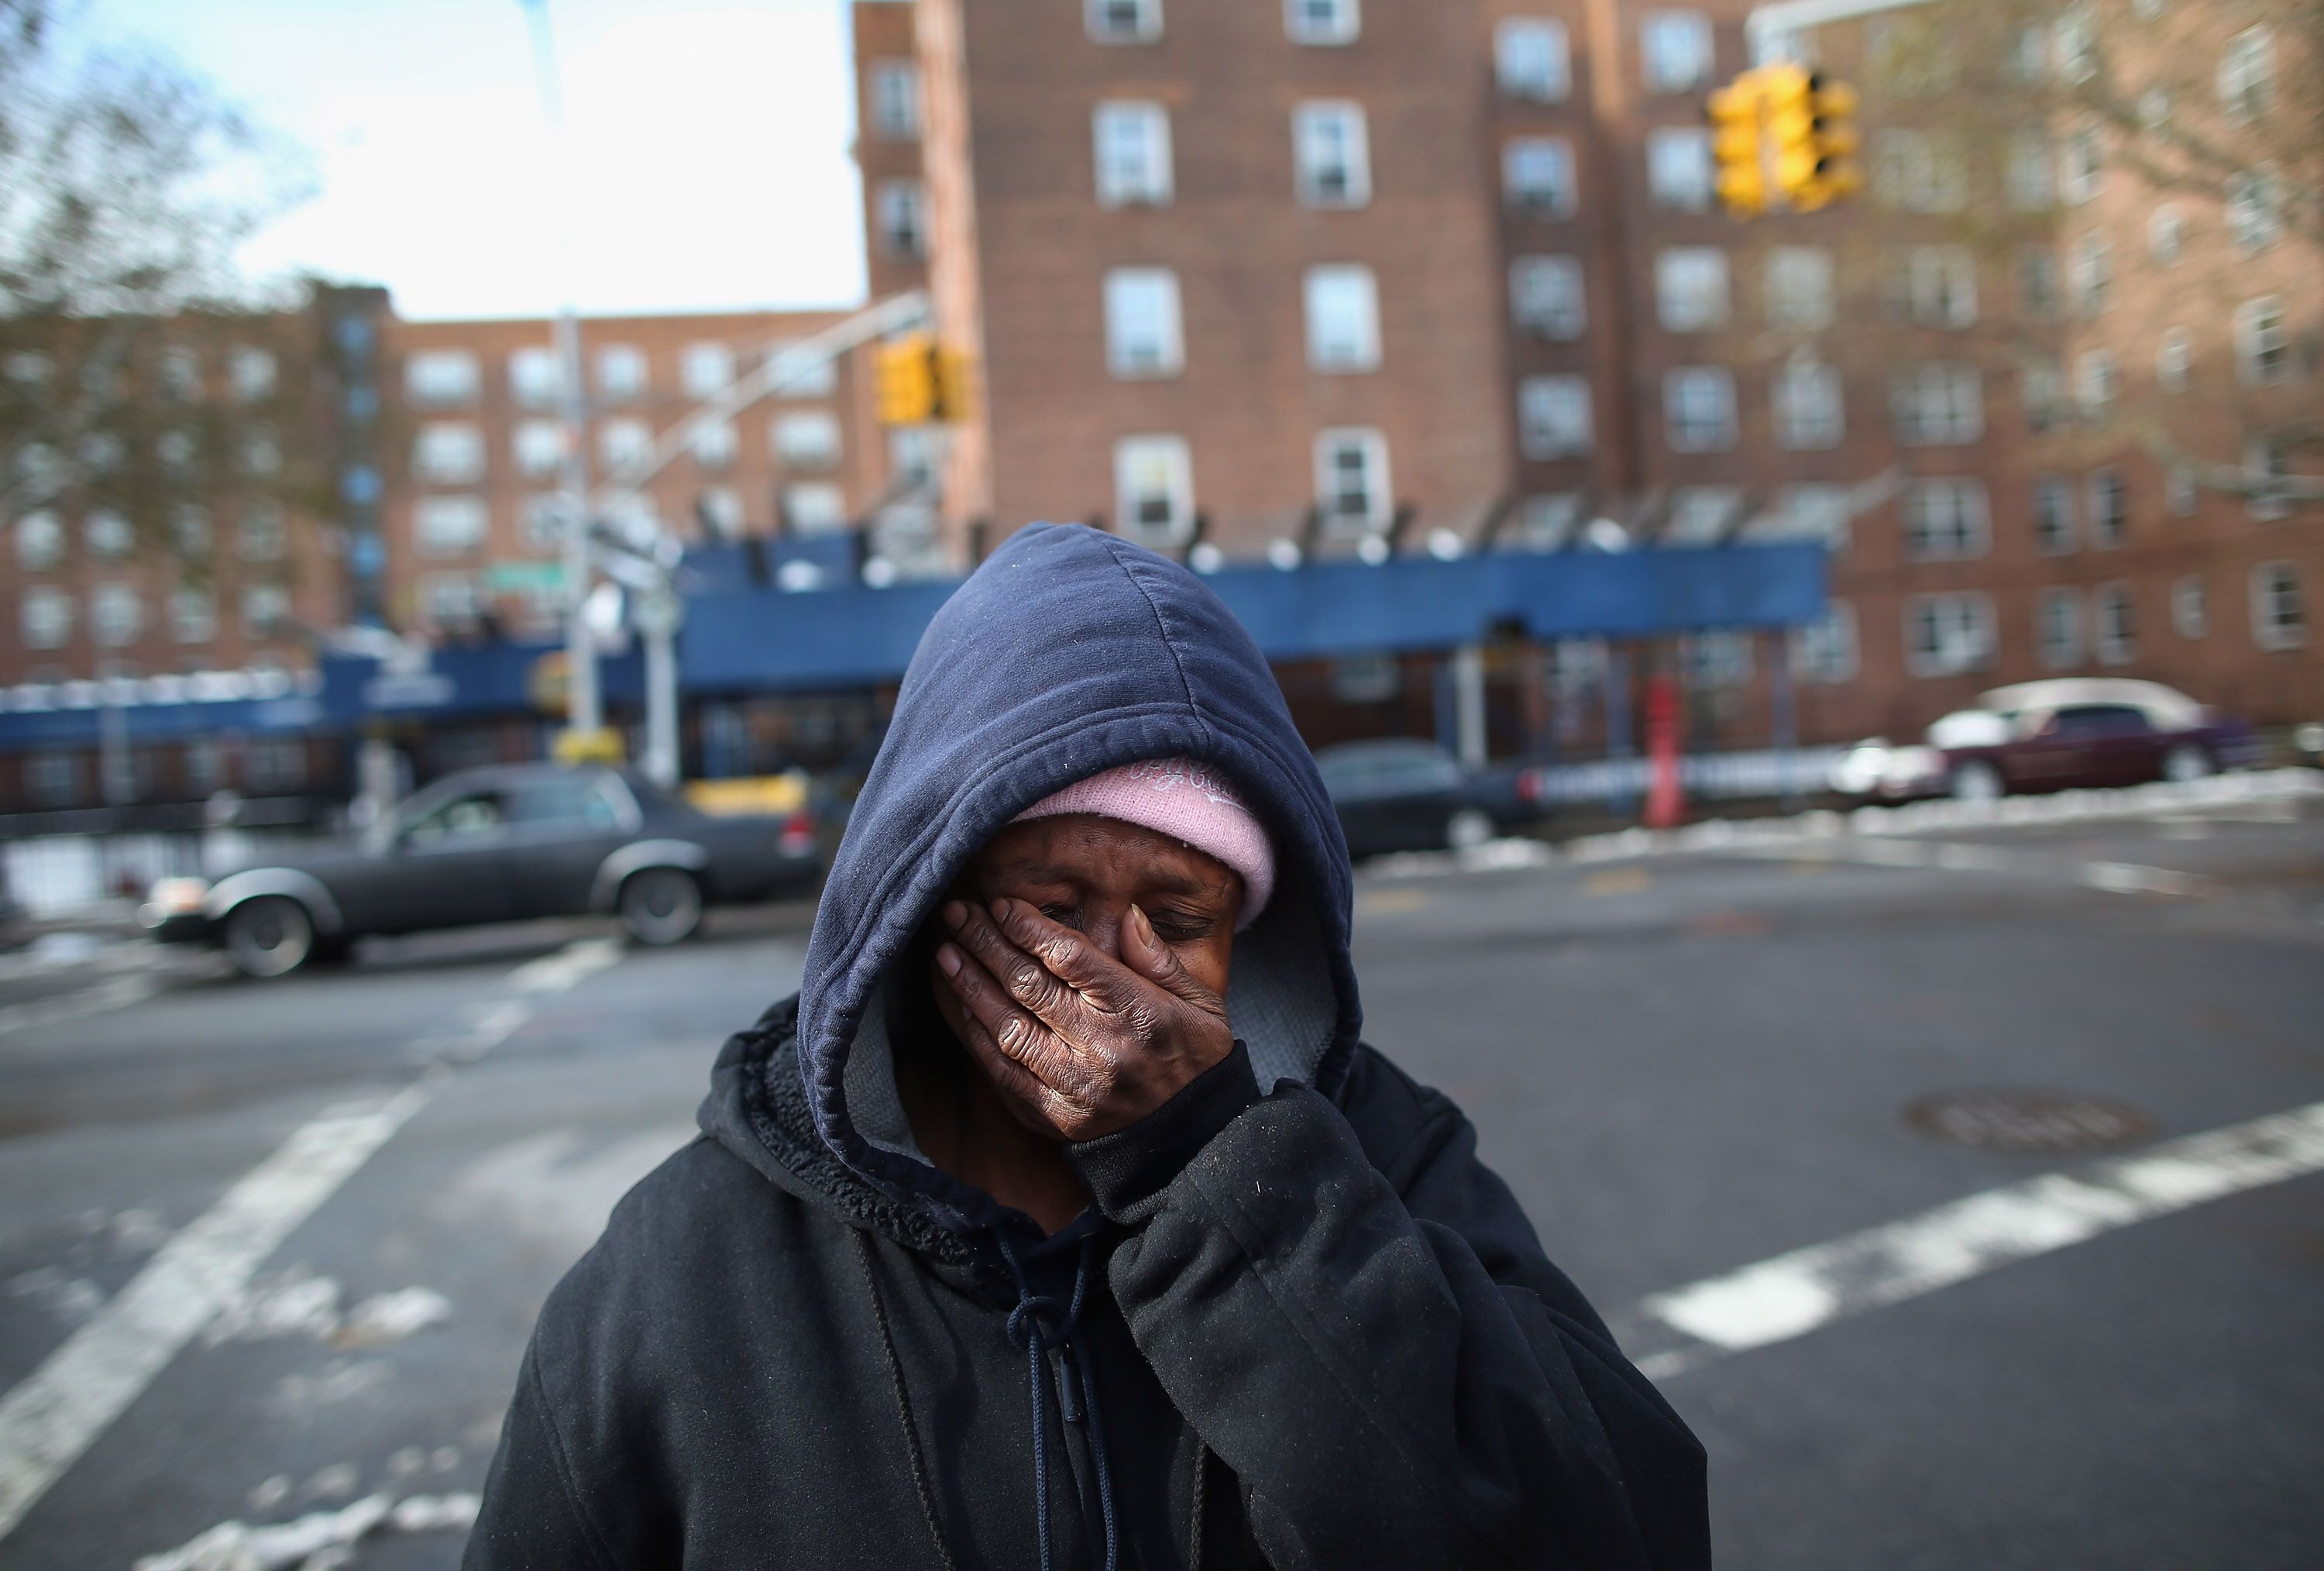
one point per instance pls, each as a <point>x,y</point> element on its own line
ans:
<point>497,844</point>
<point>1404,794</point>
<point>2060,734</point>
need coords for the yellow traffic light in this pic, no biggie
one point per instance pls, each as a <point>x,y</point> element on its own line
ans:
<point>948,378</point>
<point>907,388</point>
<point>1737,114</point>
<point>1836,172</point>
<point>1783,138</point>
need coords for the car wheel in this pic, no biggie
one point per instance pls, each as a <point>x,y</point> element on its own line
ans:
<point>271,936</point>
<point>1468,828</point>
<point>661,905</point>
<point>1978,782</point>
<point>2187,761</point>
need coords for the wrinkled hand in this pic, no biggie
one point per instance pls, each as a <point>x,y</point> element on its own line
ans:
<point>1089,1043</point>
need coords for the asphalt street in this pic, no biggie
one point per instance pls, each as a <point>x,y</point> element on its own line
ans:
<point>2077,1328</point>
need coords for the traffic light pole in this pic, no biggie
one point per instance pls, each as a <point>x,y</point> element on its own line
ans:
<point>1768,30</point>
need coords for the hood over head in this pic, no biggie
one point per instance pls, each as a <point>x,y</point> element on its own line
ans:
<point>1068,652</point>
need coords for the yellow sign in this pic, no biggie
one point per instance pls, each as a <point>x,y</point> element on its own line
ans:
<point>774,795</point>
<point>603,745</point>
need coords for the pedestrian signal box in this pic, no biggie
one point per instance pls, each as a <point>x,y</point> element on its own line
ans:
<point>921,381</point>
<point>1783,138</point>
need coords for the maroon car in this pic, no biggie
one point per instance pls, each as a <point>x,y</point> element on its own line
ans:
<point>2066,734</point>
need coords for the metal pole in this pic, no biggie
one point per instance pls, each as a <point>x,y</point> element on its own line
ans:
<point>1784,703</point>
<point>1469,705</point>
<point>661,703</point>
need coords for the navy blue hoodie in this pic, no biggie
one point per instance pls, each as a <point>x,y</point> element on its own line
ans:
<point>1301,1324</point>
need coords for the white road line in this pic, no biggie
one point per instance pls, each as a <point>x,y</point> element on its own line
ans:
<point>119,994</point>
<point>53,1415</point>
<point>1794,1294</point>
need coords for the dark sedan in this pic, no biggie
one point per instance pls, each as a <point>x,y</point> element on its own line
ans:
<point>491,845</point>
<point>1399,793</point>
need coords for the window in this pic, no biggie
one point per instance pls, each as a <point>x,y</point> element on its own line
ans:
<point>1141,322</point>
<point>2054,515</point>
<point>1333,154</point>
<point>720,509</point>
<point>1124,20</point>
<point>1817,511</point>
<point>189,529</point>
<point>52,779</point>
<point>799,372</point>
<point>1322,21</point>
<point>1674,51</point>
<point>116,615</point>
<point>543,521</point>
<point>895,100</point>
<point>250,374</point>
<point>1678,168</point>
<point>1553,417</point>
<point>40,542</point>
<point>449,598</point>
<point>2109,507</point>
<point>44,618</point>
<point>622,444</point>
<point>180,368</point>
<point>2031,165</point>
<point>1342,319</point>
<point>1824,649</point>
<point>1352,484</point>
<point>2190,612</point>
<point>1545,296</point>
<point>2089,272</point>
<point>1537,174</point>
<point>1545,523</point>
<point>450,526</point>
<point>2246,74</point>
<point>902,207</point>
<point>805,438</point>
<point>1130,144</point>
<point>1918,171</point>
<point>1530,59</point>
<point>2263,342</point>
<point>535,378</point>
<point>193,614</point>
<point>1807,405</point>
<point>2058,628</point>
<point>2255,212</point>
<point>1700,515</point>
<point>449,453</point>
<point>2178,491</point>
<point>1935,286</point>
<point>714,445</point>
<point>1946,635</point>
<point>441,377</point>
<point>1154,488</point>
<point>2096,382</point>
<point>621,371</point>
<point>2073,44</point>
<point>913,455</point>
<point>2279,617</point>
<point>259,454</point>
<point>2044,392</point>
<point>1798,286</point>
<point>1691,288</point>
<point>704,370</point>
<point>539,447</point>
<point>1699,408</point>
<point>2166,235</point>
<point>2174,355</point>
<point>1720,658</point>
<point>2037,283</point>
<point>2077,166</point>
<point>1938,405</point>
<point>1944,521</point>
<point>2113,638</point>
<point>107,534</point>
<point>814,507</point>
<point>2267,465</point>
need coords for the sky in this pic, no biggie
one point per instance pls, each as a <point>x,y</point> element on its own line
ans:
<point>709,146</point>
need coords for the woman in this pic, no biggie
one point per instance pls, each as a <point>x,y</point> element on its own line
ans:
<point>1063,1219</point>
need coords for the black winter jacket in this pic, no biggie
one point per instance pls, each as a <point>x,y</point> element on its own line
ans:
<point>1302,1324</point>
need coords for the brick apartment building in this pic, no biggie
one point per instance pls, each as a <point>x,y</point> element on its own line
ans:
<point>1318,271</point>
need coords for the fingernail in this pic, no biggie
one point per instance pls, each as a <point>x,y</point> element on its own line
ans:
<point>1000,909</point>
<point>1144,928</point>
<point>955,913</point>
<point>949,958</point>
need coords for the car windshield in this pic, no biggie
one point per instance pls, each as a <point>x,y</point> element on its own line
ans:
<point>1971,728</point>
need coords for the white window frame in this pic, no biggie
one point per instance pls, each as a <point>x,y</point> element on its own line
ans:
<point>1144,336</point>
<point>714,445</point>
<point>1826,650</point>
<point>447,452</point>
<point>116,614</point>
<point>1691,288</point>
<point>1935,286</point>
<point>622,442</point>
<point>536,447</point>
<point>1796,285</point>
<point>814,506</point>
<point>1919,171</point>
<point>893,89</point>
<point>1177,466</point>
<point>1680,173</point>
<point>2166,234</point>
<point>706,369</point>
<point>1532,59</point>
<point>2055,511</point>
<point>2246,74</point>
<point>45,615</point>
<point>1146,179</point>
<point>2058,628</point>
<point>2114,625</point>
<point>2254,210</point>
<point>1939,404</point>
<point>1341,303</point>
<point>1809,402</point>
<point>901,217</point>
<point>812,375</point>
<point>1561,196</point>
<point>450,526</point>
<point>2089,274</point>
<point>193,614</point>
<point>2097,382</point>
<point>1350,145</point>
<point>1972,637</point>
<point>2191,607</point>
<point>250,374</point>
<point>623,372</point>
<point>1686,34</point>
<point>793,450</point>
<point>2263,334</point>
<point>2270,584</point>
<point>1144,18</point>
<point>2175,360</point>
<point>1571,430</point>
<point>1945,519</point>
<point>2106,504</point>
<point>2081,166</point>
<point>442,378</point>
<point>1379,503</point>
<point>1699,408</point>
<point>536,377</point>
<point>1547,297</point>
<point>1343,25</point>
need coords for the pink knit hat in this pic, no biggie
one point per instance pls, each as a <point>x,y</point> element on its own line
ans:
<point>1187,800</point>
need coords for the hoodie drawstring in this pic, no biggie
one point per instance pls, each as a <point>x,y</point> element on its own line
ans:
<point>1035,1325</point>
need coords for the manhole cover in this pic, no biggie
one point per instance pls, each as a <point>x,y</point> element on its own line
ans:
<point>2016,1119</point>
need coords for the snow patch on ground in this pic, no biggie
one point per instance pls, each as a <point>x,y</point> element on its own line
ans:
<point>294,1303</point>
<point>318,1541</point>
<point>70,1298</point>
<point>555,1187</point>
